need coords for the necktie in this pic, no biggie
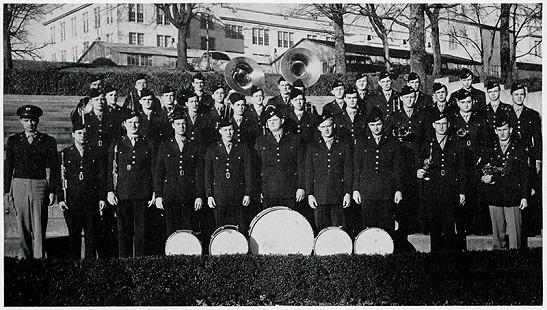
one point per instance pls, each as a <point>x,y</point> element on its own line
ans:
<point>466,118</point>
<point>30,139</point>
<point>329,144</point>
<point>100,117</point>
<point>277,137</point>
<point>504,147</point>
<point>133,140</point>
<point>228,148</point>
<point>378,139</point>
<point>238,122</point>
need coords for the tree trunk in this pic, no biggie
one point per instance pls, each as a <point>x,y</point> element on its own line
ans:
<point>387,59</point>
<point>433,16</point>
<point>339,44</point>
<point>418,56</point>
<point>182,46</point>
<point>8,62</point>
<point>505,45</point>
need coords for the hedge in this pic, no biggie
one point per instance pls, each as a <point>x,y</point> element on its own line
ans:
<point>464,278</point>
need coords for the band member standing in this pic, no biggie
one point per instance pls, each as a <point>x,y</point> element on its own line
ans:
<point>421,100</point>
<point>350,123</point>
<point>132,100</point>
<point>377,174</point>
<point>100,129</point>
<point>441,167</point>
<point>308,106</point>
<point>439,106</point>
<point>300,121</point>
<point>243,127</point>
<point>178,179</point>
<point>505,186</point>
<point>478,96</point>
<point>228,178</point>
<point>28,154</point>
<point>281,157</point>
<point>329,176</point>
<point>82,195</point>
<point>205,100</point>
<point>494,105</point>
<point>199,127</point>
<point>386,98</point>
<point>115,111</point>
<point>83,105</point>
<point>130,168</point>
<point>281,101</point>
<point>363,94</point>
<point>337,105</point>
<point>220,109</point>
<point>151,120</point>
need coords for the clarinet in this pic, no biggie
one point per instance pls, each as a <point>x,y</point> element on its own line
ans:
<point>115,168</point>
<point>64,181</point>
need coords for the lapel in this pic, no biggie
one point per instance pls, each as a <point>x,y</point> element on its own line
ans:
<point>127,142</point>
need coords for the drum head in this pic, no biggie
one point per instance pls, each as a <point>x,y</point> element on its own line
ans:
<point>228,240</point>
<point>280,231</point>
<point>373,241</point>
<point>182,242</point>
<point>332,241</point>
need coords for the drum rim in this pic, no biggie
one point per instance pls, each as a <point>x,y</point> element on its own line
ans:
<point>224,227</point>
<point>371,228</point>
<point>262,214</point>
<point>229,228</point>
<point>336,228</point>
<point>182,231</point>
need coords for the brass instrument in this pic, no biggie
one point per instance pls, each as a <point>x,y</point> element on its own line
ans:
<point>404,133</point>
<point>488,169</point>
<point>64,181</point>
<point>301,64</point>
<point>462,132</point>
<point>242,73</point>
<point>115,168</point>
<point>427,163</point>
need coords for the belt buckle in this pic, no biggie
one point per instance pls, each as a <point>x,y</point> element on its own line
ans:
<point>468,142</point>
<point>227,174</point>
<point>128,167</point>
<point>100,142</point>
<point>443,173</point>
<point>81,176</point>
<point>181,173</point>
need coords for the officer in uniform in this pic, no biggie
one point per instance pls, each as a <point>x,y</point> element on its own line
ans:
<point>82,195</point>
<point>338,104</point>
<point>329,176</point>
<point>421,100</point>
<point>28,154</point>
<point>228,177</point>
<point>363,94</point>
<point>478,96</point>
<point>299,120</point>
<point>442,170</point>
<point>377,174</point>
<point>386,98</point>
<point>281,158</point>
<point>178,179</point>
<point>130,169</point>
<point>505,184</point>
<point>281,101</point>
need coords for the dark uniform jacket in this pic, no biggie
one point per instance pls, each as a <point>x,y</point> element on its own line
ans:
<point>512,184</point>
<point>503,109</point>
<point>201,131</point>
<point>85,176</point>
<point>135,168</point>
<point>245,132</point>
<point>206,103</point>
<point>329,172</point>
<point>26,161</point>
<point>423,100</point>
<point>377,168</point>
<point>153,127</point>
<point>179,175</point>
<point>475,139</point>
<point>478,96</point>
<point>447,171</point>
<point>387,107</point>
<point>228,177</point>
<point>527,129</point>
<point>100,133</point>
<point>348,130</point>
<point>277,101</point>
<point>116,116</point>
<point>132,101</point>
<point>283,165</point>
<point>305,128</point>
<point>363,103</point>
<point>415,125</point>
<point>259,123</point>
<point>333,107</point>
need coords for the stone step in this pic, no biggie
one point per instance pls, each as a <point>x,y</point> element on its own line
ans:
<point>474,243</point>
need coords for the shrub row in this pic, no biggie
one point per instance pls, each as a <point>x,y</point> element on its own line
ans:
<point>470,278</point>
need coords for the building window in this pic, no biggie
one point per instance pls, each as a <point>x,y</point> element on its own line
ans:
<point>86,45</point>
<point>63,31</point>
<point>52,35</point>
<point>136,38</point>
<point>369,37</point>
<point>206,21</point>
<point>233,31</point>
<point>97,14</point>
<point>63,55</point>
<point>140,13</point>
<point>537,47</point>
<point>85,22</point>
<point>73,27</point>
<point>261,36</point>
<point>139,60</point>
<point>140,38</point>
<point>136,13</point>
<point>109,9</point>
<point>312,36</point>
<point>452,43</point>
<point>74,53</point>
<point>211,43</point>
<point>161,18</point>
<point>132,14</point>
<point>163,41</point>
<point>405,41</point>
<point>285,39</point>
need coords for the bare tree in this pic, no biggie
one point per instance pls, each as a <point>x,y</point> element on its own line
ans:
<point>180,15</point>
<point>505,45</point>
<point>16,42</point>
<point>433,12</point>
<point>335,12</point>
<point>418,55</point>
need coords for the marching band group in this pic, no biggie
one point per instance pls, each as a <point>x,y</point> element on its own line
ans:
<point>404,161</point>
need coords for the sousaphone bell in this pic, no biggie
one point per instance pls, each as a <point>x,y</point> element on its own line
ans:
<point>301,63</point>
<point>241,73</point>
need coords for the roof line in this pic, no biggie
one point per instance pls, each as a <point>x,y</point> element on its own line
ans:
<point>67,13</point>
<point>87,50</point>
<point>241,20</point>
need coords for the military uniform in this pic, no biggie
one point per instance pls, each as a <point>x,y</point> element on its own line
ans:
<point>279,102</point>
<point>347,129</point>
<point>201,131</point>
<point>329,178</point>
<point>178,180</point>
<point>423,100</point>
<point>305,127</point>
<point>244,133</point>
<point>135,168</point>
<point>259,123</point>
<point>478,97</point>
<point>363,102</point>
<point>85,186</point>
<point>333,108</point>
<point>100,133</point>
<point>228,178</point>
<point>377,175</point>
<point>491,116</point>
<point>26,163</point>
<point>386,106</point>
<point>527,129</point>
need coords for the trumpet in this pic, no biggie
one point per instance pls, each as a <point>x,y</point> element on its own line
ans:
<point>64,181</point>
<point>115,168</point>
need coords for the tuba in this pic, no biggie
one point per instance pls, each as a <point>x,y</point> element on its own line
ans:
<point>301,64</point>
<point>242,73</point>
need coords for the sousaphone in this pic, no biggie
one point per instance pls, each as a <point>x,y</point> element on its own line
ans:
<point>301,63</point>
<point>242,73</point>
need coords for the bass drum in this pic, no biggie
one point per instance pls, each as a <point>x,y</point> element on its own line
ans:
<point>331,241</point>
<point>280,230</point>
<point>183,242</point>
<point>372,241</point>
<point>228,240</point>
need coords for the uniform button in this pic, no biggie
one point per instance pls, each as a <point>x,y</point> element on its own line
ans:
<point>227,164</point>
<point>278,148</point>
<point>377,163</point>
<point>377,151</point>
<point>377,156</point>
<point>133,162</point>
<point>442,159</point>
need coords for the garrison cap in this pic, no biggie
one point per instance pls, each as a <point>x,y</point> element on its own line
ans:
<point>462,94</point>
<point>437,115</point>
<point>177,114</point>
<point>272,111</point>
<point>325,116</point>
<point>383,75</point>
<point>141,76</point>
<point>217,87</point>
<point>465,73</point>
<point>406,90</point>
<point>198,76</point>
<point>145,92</point>
<point>109,88</point>
<point>235,97</point>
<point>130,114</point>
<point>224,122</point>
<point>77,124</point>
<point>374,115</point>
<point>295,93</point>
<point>187,94</point>
<point>501,120</point>
<point>361,75</point>
<point>95,78</point>
<point>516,86</point>
<point>281,79</point>
<point>298,83</point>
<point>29,111</point>
<point>413,76</point>
<point>167,89</point>
<point>93,93</point>
<point>255,89</point>
<point>437,86</point>
<point>337,83</point>
<point>350,90</point>
<point>492,84</point>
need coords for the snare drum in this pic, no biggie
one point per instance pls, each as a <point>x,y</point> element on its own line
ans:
<point>183,242</point>
<point>280,230</point>
<point>228,240</point>
<point>331,241</point>
<point>373,241</point>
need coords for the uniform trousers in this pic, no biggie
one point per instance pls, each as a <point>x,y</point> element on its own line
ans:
<point>106,241</point>
<point>30,199</point>
<point>84,216</point>
<point>131,227</point>
<point>440,215</point>
<point>231,215</point>
<point>178,216</point>
<point>506,220</point>
<point>378,213</point>
<point>330,215</point>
